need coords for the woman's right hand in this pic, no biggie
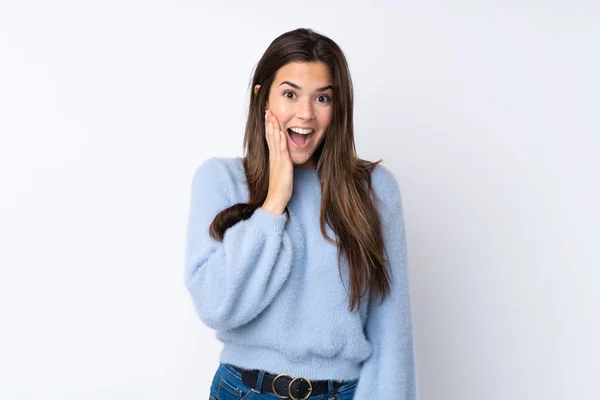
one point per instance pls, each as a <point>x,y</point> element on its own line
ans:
<point>281,169</point>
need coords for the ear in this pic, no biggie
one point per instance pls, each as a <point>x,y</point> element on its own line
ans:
<point>256,91</point>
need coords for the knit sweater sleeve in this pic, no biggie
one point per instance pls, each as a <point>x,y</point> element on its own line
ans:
<point>232,281</point>
<point>389,373</point>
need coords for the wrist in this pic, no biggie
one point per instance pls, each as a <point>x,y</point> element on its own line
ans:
<point>273,207</point>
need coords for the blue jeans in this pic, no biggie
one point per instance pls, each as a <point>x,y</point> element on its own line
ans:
<point>227,385</point>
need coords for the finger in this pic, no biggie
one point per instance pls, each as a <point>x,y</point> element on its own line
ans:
<point>273,139</point>
<point>284,143</point>
<point>275,135</point>
<point>275,123</point>
<point>277,131</point>
<point>281,136</point>
<point>268,135</point>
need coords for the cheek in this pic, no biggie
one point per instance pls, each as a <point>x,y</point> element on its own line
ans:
<point>324,118</point>
<point>279,108</point>
<point>282,111</point>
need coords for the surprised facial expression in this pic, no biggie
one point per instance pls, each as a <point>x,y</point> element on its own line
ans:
<point>301,99</point>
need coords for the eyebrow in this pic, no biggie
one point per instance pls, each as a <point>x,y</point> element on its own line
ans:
<point>292,84</point>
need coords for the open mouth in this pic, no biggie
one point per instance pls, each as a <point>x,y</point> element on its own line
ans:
<point>300,139</point>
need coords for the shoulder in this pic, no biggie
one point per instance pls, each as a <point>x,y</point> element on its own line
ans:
<point>219,165</point>
<point>218,172</point>
<point>389,201</point>
<point>385,184</point>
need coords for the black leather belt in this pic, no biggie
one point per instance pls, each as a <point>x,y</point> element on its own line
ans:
<point>286,387</point>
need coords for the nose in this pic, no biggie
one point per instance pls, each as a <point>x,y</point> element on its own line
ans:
<point>304,110</point>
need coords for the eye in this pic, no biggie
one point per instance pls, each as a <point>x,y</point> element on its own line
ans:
<point>327,97</point>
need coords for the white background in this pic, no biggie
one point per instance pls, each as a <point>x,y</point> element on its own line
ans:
<point>486,112</point>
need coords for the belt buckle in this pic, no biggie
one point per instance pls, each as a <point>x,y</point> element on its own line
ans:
<point>290,395</point>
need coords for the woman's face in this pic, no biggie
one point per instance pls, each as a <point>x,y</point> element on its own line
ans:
<point>301,97</point>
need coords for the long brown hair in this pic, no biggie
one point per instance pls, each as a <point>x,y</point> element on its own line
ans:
<point>348,203</point>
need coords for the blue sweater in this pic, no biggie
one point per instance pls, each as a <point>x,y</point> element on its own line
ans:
<point>273,293</point>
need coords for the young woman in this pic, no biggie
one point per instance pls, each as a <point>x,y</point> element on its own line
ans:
<point>296,252</point>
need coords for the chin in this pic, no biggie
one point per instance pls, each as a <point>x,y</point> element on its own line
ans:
<point>299,161</point>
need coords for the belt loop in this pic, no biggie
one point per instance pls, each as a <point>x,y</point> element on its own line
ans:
<point>330,388</point>
<point>259,381</point>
